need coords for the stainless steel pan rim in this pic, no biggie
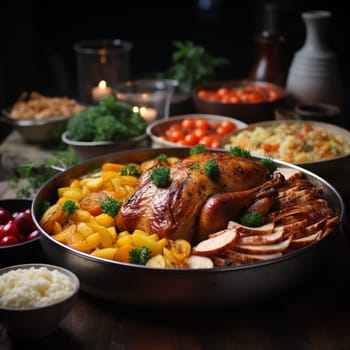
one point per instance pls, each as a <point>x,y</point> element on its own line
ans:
<point>224,286</point>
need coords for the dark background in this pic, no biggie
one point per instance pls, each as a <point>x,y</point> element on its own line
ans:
<point>37,37</point>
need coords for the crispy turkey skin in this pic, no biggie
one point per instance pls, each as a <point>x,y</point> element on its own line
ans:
<point>173,212</point>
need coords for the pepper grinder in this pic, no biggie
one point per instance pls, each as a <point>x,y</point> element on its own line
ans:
<point>270,64</point>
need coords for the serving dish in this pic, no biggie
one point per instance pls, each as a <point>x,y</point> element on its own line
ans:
<point>37,317</point>
<point>90,149</point>
<point>23,252</point>
<point>157,130</point>
<point>36,131</point>
<point>248,110</point>
<point>333,169</point>
<point>163,287</point>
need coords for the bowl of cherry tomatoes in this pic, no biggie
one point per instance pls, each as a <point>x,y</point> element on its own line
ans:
<point>247,100</point>
<point>190,129</point>
<point>19,237</point>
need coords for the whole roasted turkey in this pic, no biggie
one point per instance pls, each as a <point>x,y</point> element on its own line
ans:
<point>194,205</point>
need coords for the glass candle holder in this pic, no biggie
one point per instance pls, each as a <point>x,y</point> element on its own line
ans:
<point>101,65</point>
<point>151,98</point>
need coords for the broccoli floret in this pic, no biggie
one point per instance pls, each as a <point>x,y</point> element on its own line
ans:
<point>111,206</point>
<point>139,255</point>
<point>110,120</point>
<point>160,176</point>
<point>130,170</point>
<point>211,168</point>
<point>238,151</point>
<point>253,219</point>
<point>80,128</point>
<point>70,207</point>
<point>197,149</point>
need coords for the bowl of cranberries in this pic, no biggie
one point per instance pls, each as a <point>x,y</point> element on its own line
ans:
<point>19,237</point>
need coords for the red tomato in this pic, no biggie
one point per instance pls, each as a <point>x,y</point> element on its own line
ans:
<point>8,240</point>
<point>201,124</point>
<point>190,139</point>
<point>9,229</point>
<point>24,222</point>
<point>207,140</point>
<point>34,234</point>
<point>187,124</point>
<point>5,215</point>
<point>175,135</point>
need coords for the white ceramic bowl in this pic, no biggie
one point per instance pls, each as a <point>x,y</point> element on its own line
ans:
<point>156,130</point>
<point>41,321</point>
<point>90,149</point>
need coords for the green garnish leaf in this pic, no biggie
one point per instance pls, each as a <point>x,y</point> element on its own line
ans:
<point>139,255</point>
<point>160,176</point>
<point>197,149</point>
<point>253,219</point>
<point>240,152</point>
<point>269,163</point>
<point>130,170</point>
<point>111,206</point>
<point>70,207</point>
<point>211,168</point>
<point>162,158</point>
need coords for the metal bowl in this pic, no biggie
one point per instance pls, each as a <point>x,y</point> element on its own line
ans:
<point>163,287</point>
<point>36,131</point>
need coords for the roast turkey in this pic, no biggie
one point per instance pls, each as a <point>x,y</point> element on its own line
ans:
<point>175,211</point>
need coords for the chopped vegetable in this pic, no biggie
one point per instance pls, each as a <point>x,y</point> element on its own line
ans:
<point>111,206</point>
<point>139,255</point>
<point>211,168</point>
<point>70,207</point>
<point>160,176</point>
<point>131,170</point>
<point>197,149</point>
<point>238,151</point>
<point>253,219</point>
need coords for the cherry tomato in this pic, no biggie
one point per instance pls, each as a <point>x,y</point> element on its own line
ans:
<point>5,215</point>
<point>24,222</point>
<point>9,229</point>
<point>201,123</point>
<point>190,139</point>
<point>187,124</point>
<point>8,240</point>
<point>34,234</point>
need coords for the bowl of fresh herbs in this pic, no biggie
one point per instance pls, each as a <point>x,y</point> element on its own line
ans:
<point>109,126</point>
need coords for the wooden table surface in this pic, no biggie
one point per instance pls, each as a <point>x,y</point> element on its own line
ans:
<point>314,316</point>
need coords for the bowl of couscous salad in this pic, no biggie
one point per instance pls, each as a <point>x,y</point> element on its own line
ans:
<point>322,148</point>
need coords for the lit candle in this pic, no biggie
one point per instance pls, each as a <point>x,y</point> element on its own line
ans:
<point>101,91</point>
<point>147,113</point>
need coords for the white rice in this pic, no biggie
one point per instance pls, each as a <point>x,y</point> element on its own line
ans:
<point>33,287</point>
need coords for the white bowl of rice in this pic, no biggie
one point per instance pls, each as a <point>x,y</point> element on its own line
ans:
<point>322,148</point>
<point>35,298</point>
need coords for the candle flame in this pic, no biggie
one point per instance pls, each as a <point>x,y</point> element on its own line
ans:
<point>102,84</point>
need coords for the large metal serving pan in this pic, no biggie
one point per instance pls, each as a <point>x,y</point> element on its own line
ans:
<point>216,287</point>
